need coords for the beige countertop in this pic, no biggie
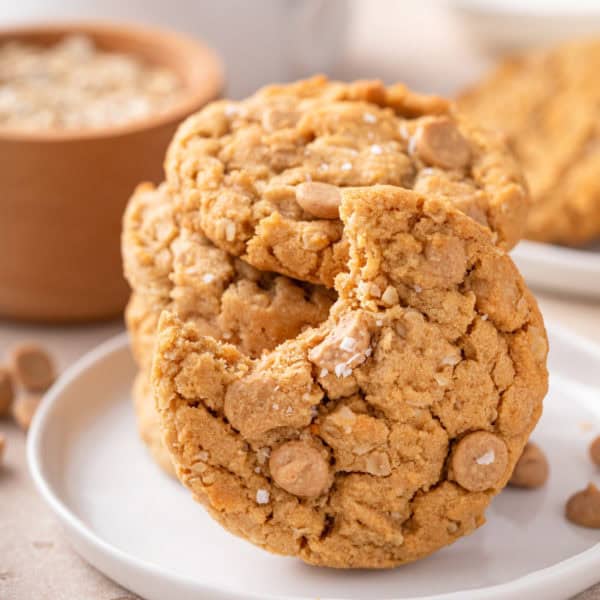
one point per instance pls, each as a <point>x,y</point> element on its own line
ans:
<point>386,39</point>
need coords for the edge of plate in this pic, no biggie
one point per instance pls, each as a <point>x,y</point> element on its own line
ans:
<point>578,568</point>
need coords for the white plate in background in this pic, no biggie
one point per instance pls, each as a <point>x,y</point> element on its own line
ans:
<point>569,271</point>
<point>515,25</point>
<point>142,529</point>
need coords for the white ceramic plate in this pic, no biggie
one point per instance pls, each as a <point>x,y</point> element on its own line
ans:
<point>514,25</point>
<point>142,529</point>
<point>570,271</point>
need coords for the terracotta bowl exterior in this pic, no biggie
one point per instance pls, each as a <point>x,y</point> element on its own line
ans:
<point>62,193</point>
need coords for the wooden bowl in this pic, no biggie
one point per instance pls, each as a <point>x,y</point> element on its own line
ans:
<point>62,193</point>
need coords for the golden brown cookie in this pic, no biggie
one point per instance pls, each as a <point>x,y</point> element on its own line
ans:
<point>381,435</point>
<point>171,268</point>
<point>261,178</point>
<point>546,103</point>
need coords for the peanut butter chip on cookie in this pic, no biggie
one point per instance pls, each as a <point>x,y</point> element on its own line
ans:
<point>300,469</point>
<point>479,461</point>
<point>531,470</point>
<point>33,367</point>
<point>583,508</point>
<point>439,143</point>
<point>321,200</point>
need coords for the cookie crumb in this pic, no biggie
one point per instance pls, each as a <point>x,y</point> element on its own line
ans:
<point>390,296</point>
<point>262,496</point>
<point>583,508</point>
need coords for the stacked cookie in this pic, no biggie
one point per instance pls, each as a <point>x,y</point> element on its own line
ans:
<point>346,363</point>
<point>546,103</point>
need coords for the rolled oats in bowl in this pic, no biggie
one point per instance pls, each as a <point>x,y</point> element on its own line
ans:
<point>73,84</point>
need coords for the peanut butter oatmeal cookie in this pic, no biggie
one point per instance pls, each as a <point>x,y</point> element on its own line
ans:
<point>262,178</point>
<point>547,104</point>
<point>170,267</point>
<point>381,435</point>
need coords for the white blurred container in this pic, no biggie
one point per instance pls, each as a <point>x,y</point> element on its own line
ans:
<point>261,41</point>
<point>514,25</point>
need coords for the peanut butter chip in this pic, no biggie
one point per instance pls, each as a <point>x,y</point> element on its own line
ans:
<point>531,470</point>
<point>479,461</point>
<point>583,508</point>
<point>439,143</point>
<point>595,451</point>
<point>321,200</point>
<point>300,469</point>
<point>6,391</point>
<point>33,367</point>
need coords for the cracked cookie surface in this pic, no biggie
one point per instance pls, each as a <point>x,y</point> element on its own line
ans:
<point>381,435</point>
<point>170,267</point>
<point>262,177</point>
<point>547,104</point>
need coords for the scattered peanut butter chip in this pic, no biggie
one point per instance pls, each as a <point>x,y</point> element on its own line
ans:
<point>300,469</point>
<point>2,448</point>
<point>479,461</point>
<point>321,200</point>
<point>595,451</point>
<point>33,367</point>
<point>583,508</point>
<point>24,408</point>
<point>531,470</point>
<point>440,143</point>
<point>7,392</point>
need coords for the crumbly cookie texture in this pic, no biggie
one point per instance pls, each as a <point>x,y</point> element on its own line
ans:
<point>170,267</point>
<point>262,177</point>
<point>381,435</point>
<point>546,103</point>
